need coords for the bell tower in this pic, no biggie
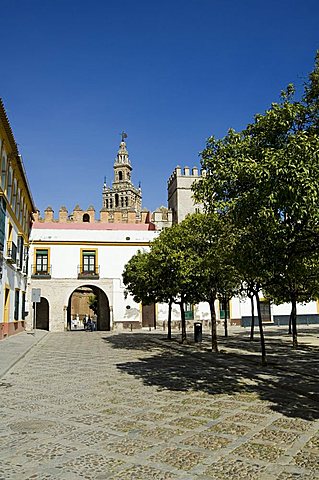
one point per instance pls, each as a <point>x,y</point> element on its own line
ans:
<point>122,196</point>
<point>122,166</point>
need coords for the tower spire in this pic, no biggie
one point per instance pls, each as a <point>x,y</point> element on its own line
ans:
<point>122,157</point>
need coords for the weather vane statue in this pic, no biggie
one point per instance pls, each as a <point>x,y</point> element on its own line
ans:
<point>124,136</point>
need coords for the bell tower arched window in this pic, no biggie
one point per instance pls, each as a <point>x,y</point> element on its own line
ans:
<point>86,217</point>
<point>120,175</point>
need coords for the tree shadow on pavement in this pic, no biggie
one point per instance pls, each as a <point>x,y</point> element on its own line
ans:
<point>291,392</point>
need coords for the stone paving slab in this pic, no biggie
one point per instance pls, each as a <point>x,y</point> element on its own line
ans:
<point>13,348</point>
<point>106,406</point>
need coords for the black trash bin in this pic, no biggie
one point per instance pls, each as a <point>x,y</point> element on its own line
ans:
<point>197,332</point>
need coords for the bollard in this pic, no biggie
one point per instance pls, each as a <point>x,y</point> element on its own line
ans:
<point>197,332</point>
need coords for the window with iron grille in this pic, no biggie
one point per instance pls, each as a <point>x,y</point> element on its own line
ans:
<point>20,252</point>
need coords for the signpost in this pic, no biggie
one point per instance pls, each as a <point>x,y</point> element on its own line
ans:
<point>35,298</point>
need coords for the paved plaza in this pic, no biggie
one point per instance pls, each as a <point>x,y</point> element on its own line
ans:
<point>101,405</point>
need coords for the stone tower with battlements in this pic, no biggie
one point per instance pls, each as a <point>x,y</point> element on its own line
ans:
<point>180,194</point>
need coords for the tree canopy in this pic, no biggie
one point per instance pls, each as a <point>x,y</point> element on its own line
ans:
<point>265,180</point>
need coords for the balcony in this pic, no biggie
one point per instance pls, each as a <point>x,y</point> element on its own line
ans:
<point>92,274</point>
<point>41,274</point>
<point>11,252</point>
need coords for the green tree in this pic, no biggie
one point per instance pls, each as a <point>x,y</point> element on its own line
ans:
<point>205,244</point>
<point>175,260</point>
<point>93,303</point>
<point>139,279</point>
<point>143,277</point>
<point>266,180</point>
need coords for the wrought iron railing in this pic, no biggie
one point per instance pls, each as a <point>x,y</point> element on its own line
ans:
<point>43,272</point>
<point>93,272</point>
<point>11,252</point>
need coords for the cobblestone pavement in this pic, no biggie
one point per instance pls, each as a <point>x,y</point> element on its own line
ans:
<point>121,406</point>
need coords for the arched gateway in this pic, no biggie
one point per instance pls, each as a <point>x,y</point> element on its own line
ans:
<point>79,305</point>
<point>42,314</point>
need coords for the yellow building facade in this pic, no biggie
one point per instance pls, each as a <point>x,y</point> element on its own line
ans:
<point>16,208</point>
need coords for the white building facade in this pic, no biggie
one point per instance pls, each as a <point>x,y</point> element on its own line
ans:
<point>66,258</point>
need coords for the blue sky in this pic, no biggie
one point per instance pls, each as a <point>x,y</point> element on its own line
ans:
<point>75,73</point>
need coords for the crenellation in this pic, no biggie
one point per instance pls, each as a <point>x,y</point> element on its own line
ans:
<point>63,215</point>
<point>88,216</point>
<point>49,214</point>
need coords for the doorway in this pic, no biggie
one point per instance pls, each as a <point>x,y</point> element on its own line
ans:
<point>88,301</point>
<point>42,314</point>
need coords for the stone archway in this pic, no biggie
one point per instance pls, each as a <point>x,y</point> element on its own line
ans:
<point>78,305</point>
<point>42,314</point>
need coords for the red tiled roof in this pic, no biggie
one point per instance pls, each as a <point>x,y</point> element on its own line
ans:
<point>92,226</point>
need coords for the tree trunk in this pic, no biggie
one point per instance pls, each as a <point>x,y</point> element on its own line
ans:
<point>169,320</point>
<point>289,328</point>
<point>261,332</point>
<point>252,317</point>
<point>294,321</point>
<point>183,320</point>
<point>225,320</point>
<point>213,320</point>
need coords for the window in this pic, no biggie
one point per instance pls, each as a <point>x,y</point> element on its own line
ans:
<point>126,201</point>
<point>20,213</point>
<point>86,218</point>
<point>116,200</point>
<point>14,196</point>
<point>120,175</point>
<point>3,171</point>
<point>106,204</point>
<point>122,202</point>
<point>25,218</point>
<point>26,260</point>
<point>11,246</point>
<point>16,304</point>
<point>88,261</point>
<point>222,309</point>
<point>189,312</point>
<point>20,252</point>
<point>9,185</point>
<point>42,262</point>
